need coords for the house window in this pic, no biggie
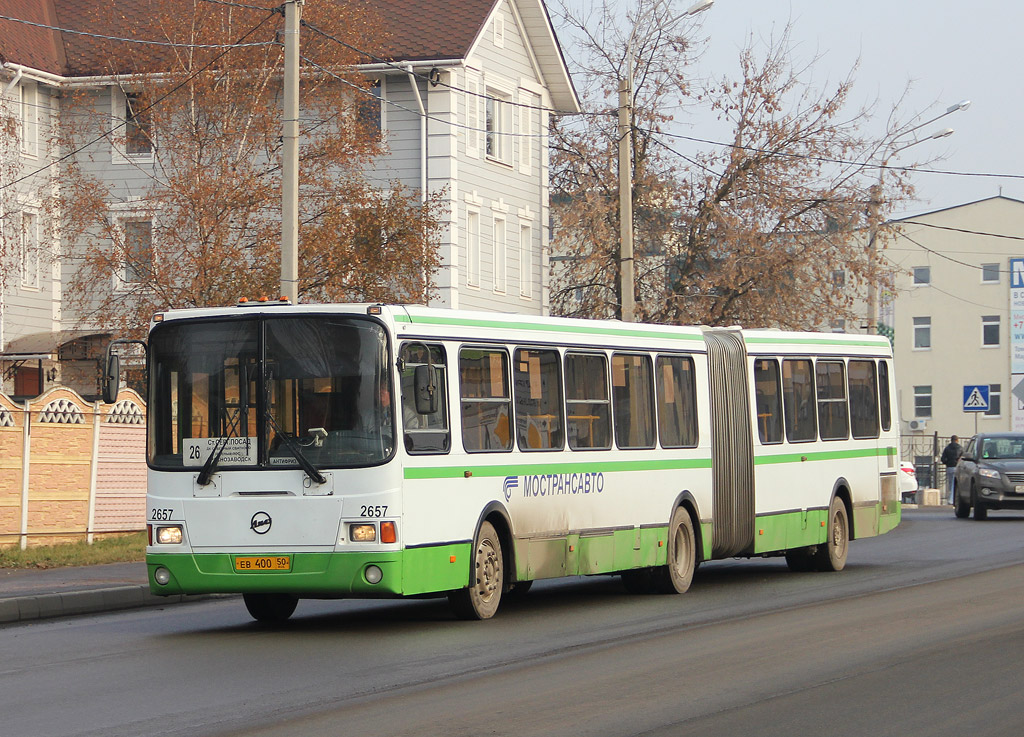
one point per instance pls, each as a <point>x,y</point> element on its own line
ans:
<point>526,261</point>
<point>368,109</point>
<point>29,120</point>
<point>473,248</point>
<point>995,392</point>
<point>138,251</point>
<point>922,276</point>
<point>839,278</point>
<point>138,126</point>
<point>497,123</point>
<point>922,402</point>
<point>922,332</point>
<point>500,255</point>
<point>29,250</point>
<point>990,273</point>
<point>990,331</point>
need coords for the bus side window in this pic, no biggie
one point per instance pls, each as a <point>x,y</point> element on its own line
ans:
<point>424,433</point>
<point>883,395</point>
<point>863,399</point>
<point>833,417</point>
<point>633,401</point>
<point>486,403</point>
<point>798,399</point>
<point>768,394</point>
<point>538,386</point>
<point>677,403</point>
<point>587,403</point>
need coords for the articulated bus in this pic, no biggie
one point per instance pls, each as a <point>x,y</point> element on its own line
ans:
<point>330,451</point>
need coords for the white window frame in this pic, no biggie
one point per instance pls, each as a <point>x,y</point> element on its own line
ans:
<point>991,267</point>
<point>925,325</point>
<point>499,32</point>
<point>29,263</point>
<point>926,271</point>
<point>28,119</point>
<point>119,123</point>
<point>119,217</point>
<point>496,120</point>
<point>988,321</point>
<point>922,392</point>
<point>473,250</point>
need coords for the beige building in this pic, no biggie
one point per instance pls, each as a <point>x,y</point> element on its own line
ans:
<point>952,319</point>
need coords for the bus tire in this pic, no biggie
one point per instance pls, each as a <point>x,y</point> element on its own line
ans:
<point>831,556</point>
<point>270,608</point>
<point>480,599</point>
<point>676,575</point>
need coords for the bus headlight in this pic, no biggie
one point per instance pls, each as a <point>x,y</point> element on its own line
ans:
<point>373,574</point>
<point>362,533</point>
<point>170,535</point>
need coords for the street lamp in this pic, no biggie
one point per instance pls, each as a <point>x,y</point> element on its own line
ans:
<point>627,299</point>
<point>876,195</point>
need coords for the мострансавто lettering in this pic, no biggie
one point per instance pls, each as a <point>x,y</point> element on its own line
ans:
<point>554,484</point>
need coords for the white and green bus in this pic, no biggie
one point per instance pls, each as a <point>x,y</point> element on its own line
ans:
<point>330,451</point>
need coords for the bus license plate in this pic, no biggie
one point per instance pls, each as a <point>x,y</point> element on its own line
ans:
<point>255,563</point>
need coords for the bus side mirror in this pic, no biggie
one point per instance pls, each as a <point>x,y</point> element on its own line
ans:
<point>425,384</point>
<point>111,378</point>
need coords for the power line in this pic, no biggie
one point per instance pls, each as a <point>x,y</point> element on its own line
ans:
<point>963,230</point>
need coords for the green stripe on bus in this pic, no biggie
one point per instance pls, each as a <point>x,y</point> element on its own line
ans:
<point>674,464</point>
<point>768,340</point>
<point>539,327</point>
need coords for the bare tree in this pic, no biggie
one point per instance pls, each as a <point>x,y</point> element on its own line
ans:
<point>197,221</point>
<point>768,229</point>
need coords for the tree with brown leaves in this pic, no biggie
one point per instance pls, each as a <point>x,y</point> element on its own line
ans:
<point>768,229</point>
<point>176,200</point>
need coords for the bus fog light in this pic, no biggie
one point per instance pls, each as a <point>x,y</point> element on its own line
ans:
<point>169,535</point>
<point>162,576</point>
<point>373,574</point>
<point>362,533</point>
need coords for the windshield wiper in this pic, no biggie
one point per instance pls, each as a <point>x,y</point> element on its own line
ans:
<point>312,471</point>
<point>211,462</point>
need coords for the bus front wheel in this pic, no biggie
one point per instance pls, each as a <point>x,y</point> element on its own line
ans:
<point>675,577</point>
<point>270,607</point>
<point>481,598</point>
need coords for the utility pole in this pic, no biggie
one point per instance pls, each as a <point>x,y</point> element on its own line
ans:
<point>290,154</point>
<point>627,309</point>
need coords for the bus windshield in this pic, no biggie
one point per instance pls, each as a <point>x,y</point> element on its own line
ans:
<point>269,392</point>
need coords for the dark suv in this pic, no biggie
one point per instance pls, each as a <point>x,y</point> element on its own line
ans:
<point>990,474</point>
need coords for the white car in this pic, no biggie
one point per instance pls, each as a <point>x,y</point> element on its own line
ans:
<point>908,481</point>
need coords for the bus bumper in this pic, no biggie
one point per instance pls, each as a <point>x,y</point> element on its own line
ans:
<point>314,575</point>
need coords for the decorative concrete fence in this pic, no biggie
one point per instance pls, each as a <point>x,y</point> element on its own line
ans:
<point>70,469</point>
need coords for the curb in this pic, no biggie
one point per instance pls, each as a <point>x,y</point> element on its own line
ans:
<point>46,606</point>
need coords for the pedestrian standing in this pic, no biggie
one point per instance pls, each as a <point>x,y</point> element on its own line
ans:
<point>950,457</point>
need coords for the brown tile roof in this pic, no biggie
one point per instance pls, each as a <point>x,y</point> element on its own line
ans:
<point>416,30</point>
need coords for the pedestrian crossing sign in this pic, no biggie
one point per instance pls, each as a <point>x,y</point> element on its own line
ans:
<point>976,398</point>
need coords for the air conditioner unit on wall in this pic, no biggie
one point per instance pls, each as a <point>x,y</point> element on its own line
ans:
<point>918,424</point>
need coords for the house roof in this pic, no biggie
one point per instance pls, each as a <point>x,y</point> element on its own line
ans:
<point>422,31</point>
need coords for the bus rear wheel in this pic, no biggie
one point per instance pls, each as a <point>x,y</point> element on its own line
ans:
<point>832,555</point>
<point>676,576</point>
<point>481,598</point>
<point>270,607</point>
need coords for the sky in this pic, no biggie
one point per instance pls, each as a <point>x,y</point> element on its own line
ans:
<point>949,51</point>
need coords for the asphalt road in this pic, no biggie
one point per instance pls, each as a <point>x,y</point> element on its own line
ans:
<point>922,634</point>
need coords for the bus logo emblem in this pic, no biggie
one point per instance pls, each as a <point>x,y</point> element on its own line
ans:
<point>511,482</point>
<point>260,523</point>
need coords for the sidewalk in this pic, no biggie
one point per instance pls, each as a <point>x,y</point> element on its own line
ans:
<point>27,594</point>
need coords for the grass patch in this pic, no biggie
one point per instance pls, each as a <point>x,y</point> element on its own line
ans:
<point>106,549</point>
